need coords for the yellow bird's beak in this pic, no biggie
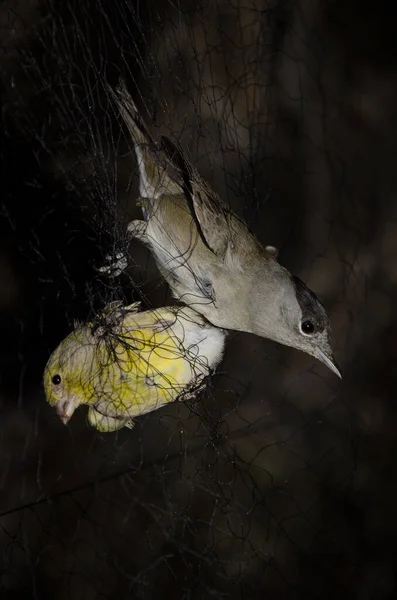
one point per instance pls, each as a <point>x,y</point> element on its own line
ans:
<point>65,410</point>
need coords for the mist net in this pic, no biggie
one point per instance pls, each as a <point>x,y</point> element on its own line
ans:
<point>275,480</point>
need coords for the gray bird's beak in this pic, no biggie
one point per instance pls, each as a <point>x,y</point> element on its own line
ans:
<point>328,361</point>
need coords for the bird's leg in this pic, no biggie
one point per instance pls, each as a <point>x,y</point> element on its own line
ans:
<point>197,386</point>
<point>137,229</point>
<point>144,204</point>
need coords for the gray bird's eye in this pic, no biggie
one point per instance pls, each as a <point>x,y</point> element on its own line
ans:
<point>56,380</point>
<point>307,327</point>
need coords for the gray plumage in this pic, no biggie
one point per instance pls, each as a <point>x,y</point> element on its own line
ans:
<point>208,256</point>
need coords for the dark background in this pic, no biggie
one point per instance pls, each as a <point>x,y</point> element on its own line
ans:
<point>280,481</point>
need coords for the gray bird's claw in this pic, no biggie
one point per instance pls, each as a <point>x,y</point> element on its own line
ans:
<point>117,264</point>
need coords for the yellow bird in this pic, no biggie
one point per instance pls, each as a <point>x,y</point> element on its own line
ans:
<point>131,363</point>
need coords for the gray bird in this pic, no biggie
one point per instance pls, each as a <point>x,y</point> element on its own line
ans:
<point>208,256</point>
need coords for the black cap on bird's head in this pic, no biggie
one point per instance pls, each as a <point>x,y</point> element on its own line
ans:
<point>314,326</point>
<point>312,308</point>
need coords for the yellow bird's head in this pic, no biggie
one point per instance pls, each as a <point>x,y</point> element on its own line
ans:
<point>69,373</point>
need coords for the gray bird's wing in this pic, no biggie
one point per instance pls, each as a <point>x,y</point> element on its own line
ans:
<point>215,221</point>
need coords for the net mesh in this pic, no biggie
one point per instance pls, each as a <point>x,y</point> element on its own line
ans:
<point>278,480</point>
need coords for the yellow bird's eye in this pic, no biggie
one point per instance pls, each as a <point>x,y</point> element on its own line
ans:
<point>56,380</point>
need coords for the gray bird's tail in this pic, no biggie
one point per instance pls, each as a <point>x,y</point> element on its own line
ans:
<point>154,180</point>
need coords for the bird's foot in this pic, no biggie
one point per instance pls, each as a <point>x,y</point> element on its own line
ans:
<point>117,264</point>
<point>197,386</point>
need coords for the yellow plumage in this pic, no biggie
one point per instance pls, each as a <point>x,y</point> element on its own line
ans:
<point>131,364</point>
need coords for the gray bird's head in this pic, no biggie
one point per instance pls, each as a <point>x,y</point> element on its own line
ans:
<point>296,318</point>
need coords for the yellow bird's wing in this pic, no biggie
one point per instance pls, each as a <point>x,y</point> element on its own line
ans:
<point>144,367</point>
